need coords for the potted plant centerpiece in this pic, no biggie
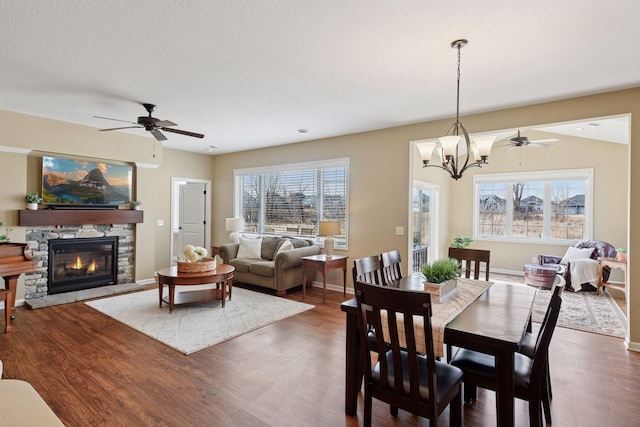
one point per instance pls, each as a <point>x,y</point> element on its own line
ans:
<point>32,200</point>
<point>136,205</point>
<point>441,278</point>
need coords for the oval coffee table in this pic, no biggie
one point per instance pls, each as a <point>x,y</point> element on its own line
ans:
<point>222,277</point>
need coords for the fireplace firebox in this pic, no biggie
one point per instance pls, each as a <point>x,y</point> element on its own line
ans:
<point>76,264</point>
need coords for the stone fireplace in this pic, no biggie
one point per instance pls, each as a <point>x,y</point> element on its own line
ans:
<point>76,264</point>
<point>121,261</point>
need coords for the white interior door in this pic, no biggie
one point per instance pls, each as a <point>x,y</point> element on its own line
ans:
<point>192,215</point>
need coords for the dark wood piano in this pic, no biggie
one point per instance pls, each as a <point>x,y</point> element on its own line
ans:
<point>14,260</point>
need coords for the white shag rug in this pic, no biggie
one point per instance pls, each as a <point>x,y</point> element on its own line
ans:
<point>194,327</point>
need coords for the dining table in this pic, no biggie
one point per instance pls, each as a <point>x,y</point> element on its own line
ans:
<point>493,321</point>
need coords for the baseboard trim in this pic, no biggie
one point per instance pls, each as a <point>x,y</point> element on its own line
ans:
<point>333,287</point>
<point>632,346</point>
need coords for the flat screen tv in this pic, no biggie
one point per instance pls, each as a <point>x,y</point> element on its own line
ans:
<point>68,182</point>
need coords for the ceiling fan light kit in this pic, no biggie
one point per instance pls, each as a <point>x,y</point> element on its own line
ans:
<point>450,143</point>
<point>152,125</point>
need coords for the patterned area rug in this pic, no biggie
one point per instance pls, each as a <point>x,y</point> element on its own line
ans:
<point>583,311</point>
<point>195,327</point>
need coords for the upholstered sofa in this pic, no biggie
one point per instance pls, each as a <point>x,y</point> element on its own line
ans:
<point>600,250</point>
<point>270,268</point>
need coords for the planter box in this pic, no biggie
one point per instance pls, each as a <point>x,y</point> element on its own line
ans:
<point>441,291</point>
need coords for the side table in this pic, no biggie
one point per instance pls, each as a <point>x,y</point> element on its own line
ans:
<point>612,263</point>
<point>324,265</point>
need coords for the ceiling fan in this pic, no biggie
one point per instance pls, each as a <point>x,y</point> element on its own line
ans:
<point>523,141</point>
<point>153,125</point>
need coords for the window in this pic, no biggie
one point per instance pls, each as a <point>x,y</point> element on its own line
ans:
<point>292,199</point>
<point>552,206</point>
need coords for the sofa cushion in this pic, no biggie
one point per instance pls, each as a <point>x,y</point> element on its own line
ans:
<point>299,243</point>
<point>262,268</point>
<point>269,245</point>
<point>283,246</point>
<point>250,248</point>
<point>242,265</point>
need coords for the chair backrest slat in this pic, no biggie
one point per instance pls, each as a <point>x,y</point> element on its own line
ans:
<point>390,266</point>
<point>469,256</point>
<point>367,270</point>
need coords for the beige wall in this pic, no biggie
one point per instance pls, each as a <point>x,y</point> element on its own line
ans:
<point>379,179</point>
<point>153,166</point>
<point>379,189</point>
<point>570,153</point>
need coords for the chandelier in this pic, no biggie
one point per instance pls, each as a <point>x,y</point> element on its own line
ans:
<point>449,146</point>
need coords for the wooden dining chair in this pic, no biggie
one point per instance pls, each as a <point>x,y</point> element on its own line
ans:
<point>5,294</point>
<point>402,377</point>
<point>390,266</point>
<point>367,270</point>
<point>529,374</point>
<point>471,257</point>
<point>528,347</point>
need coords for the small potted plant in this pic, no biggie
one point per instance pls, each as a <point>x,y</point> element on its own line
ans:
<point>621,255</point>
<point>32,200</point>
<point>461,242</point>
<point>441,270</point>
<point>136,205</point>
<point>4,237</point>
<point>441,278</point>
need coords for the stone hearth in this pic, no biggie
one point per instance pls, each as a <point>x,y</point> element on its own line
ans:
<point>37,238</point>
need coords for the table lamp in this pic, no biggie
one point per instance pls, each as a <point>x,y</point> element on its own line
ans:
<point>235,225</point>
<point>329,229</point>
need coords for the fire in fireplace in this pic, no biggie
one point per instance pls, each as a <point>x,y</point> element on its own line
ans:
<point>76,264</point>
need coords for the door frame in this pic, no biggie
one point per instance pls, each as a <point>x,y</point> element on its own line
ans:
<point>175,209</point>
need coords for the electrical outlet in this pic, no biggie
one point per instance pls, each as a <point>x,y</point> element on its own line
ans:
<point>160,222</point>
<point>399,231</point>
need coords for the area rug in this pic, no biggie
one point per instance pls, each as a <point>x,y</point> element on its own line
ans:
<point>195,327</point>
<point>584,311</point>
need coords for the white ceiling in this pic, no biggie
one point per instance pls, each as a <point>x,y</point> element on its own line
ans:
<point>250,73</point>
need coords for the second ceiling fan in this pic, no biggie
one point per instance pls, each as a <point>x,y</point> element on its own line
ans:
<point>152,125</point>
<point>523,141</point>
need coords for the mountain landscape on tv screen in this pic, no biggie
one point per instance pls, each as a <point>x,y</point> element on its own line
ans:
<point>93,189</point>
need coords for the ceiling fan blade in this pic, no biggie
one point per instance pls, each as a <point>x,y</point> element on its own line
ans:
<point>158,135</point>
<point>163,123</point>
<point>115,120</point>
<point>539,145</point>
<point>126,127</point>
<point>513,147</point>
<point>545,140</point>
<point>184,132</point>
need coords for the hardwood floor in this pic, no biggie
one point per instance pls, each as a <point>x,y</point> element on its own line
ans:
<point>93,370</point>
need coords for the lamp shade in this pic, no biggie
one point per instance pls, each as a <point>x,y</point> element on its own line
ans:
<point>235,224</point>
<point>484,144</point>
<point>426,151</point>
<point>329,228</point>
<point>449,144</point>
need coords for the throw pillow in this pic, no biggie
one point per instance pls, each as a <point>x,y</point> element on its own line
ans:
<point>575,253</point>
<point>285,246</point>
<point>250,248</point>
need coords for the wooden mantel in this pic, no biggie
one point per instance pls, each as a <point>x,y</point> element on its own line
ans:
<point>80,216</point>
